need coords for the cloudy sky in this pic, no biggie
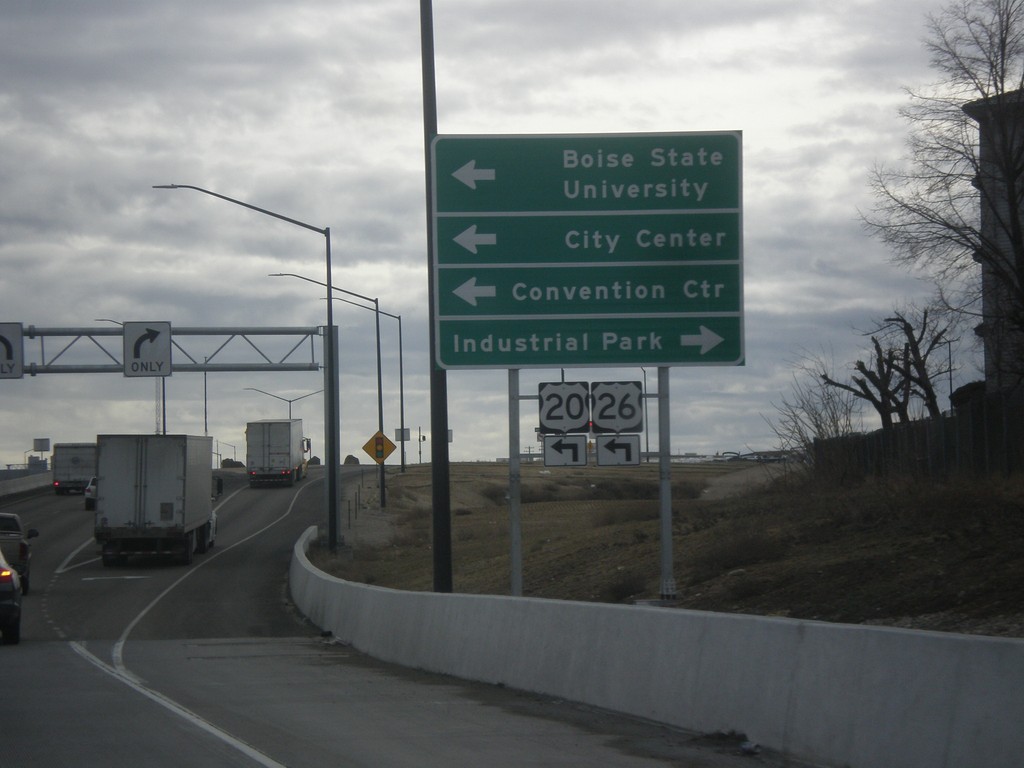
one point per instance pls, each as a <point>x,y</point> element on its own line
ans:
<point>314,110</point>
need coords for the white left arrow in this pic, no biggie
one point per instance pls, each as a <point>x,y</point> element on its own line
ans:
<point>706,340</point>
<point>469,291</point>
<point>470,239</point>
<point>469,174</point>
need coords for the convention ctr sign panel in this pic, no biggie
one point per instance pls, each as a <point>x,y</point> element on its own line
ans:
<point>588,250</point>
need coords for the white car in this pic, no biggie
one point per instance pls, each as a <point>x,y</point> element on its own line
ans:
<point>90,495</point>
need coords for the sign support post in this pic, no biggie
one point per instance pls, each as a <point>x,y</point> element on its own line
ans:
<point>514,485</point>
<point>668,582</point>
<point>587,250</point>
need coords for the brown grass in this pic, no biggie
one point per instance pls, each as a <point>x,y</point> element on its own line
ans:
<point>943,556</point>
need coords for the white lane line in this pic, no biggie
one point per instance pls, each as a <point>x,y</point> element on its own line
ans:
<point>118,649</point>
<point>120,672</point>
<point>187,714</point>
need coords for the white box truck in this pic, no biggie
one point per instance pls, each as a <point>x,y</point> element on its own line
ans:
<point>74,465</point>
<point>275,452</point>
<point>153,496</point>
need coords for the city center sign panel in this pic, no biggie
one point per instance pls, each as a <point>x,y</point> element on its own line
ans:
<point>587,250</point>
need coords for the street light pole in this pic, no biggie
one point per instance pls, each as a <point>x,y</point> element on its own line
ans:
<point>332,422</point>
<point>647,420</point>
<point>401,390</point>
<point>380,388</point>
<point>162,405</point>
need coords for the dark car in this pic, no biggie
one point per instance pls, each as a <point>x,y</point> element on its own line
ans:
<point>10,603</point>
<point>16,547</point>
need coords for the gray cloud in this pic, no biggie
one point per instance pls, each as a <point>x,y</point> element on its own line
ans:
<point>313,110</point>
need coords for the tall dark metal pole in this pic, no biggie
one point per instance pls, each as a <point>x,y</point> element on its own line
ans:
<point>332,424</point>
<point>401,390</point>
<point>380,379</point>
<point>440,470</point>
<point>380,402</point>
<point>332,415</point>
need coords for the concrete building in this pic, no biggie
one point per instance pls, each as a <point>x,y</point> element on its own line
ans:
<point>1000,182</point>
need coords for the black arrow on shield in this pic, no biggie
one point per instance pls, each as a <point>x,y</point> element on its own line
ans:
<point>615,446</point>
<point>8,347</point>
<point>150,335</point>
<point>561,446</point>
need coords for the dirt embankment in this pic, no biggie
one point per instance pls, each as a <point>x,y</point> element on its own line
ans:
<point>755,539</point>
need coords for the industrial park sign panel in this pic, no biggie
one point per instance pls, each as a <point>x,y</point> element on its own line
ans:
<point>587,250</point>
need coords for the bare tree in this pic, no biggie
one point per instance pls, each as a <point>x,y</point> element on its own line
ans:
<point>959,202</point>
<point>920,367</point>
<point>876,383</point>
<point>812,410</point>
<point>903,367</point>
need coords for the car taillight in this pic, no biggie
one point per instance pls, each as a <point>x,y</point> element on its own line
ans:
<point>5,576</point>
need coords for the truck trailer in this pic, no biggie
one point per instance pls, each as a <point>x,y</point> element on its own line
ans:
<point>74,465</point>
<point>275,452</point>
<point>153,496</point>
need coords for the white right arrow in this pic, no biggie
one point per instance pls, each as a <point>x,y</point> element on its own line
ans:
<point>469,174</point>
<point>469,291</point>
<point>706,340</point>
<point>470,239</point>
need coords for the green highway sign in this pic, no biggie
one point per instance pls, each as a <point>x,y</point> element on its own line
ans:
<point>585,341</point>
<point>591,238</point>
<point>602,289</point>
<point>587,250</point>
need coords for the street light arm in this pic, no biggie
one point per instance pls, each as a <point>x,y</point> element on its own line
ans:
<point>341,290</point>
<point>296,222</point>
<point>332,420</point>
<point>270,394</point>
<point>288,400</point>
<point>318,282</point>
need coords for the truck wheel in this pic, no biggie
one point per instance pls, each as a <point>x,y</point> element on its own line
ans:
<point>202,539</point>
<point>12,633</point>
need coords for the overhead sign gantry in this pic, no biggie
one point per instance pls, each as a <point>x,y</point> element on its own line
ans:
<point>146,350</point>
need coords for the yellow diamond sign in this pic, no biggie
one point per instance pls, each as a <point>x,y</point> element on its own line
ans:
<point>379,447</point>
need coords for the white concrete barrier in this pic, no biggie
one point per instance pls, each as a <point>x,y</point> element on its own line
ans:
<point>26,484</point>
<point>829,694</point>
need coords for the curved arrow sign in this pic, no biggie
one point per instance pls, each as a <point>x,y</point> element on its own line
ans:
<point>12,356</point>
<point>151,335</point>
<point>147,349</point>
